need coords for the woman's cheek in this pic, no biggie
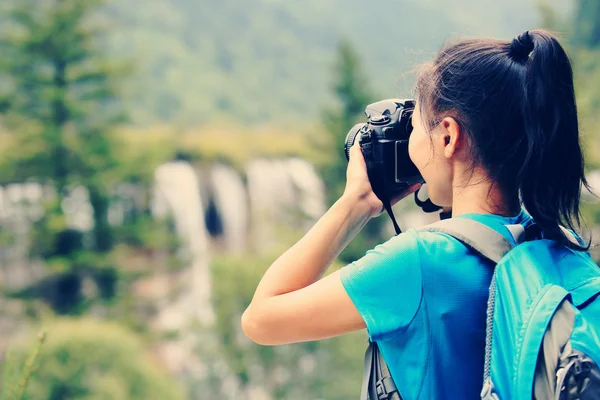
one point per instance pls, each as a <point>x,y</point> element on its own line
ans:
<point>415,149</point>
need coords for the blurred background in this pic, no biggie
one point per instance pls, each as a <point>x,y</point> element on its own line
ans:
<point>156,157</point>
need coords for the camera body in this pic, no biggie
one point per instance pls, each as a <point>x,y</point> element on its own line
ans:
<point>384,142</point>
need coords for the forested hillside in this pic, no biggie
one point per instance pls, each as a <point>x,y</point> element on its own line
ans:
<point>270,60</point>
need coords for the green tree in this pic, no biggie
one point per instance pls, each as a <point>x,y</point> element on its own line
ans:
<point>61,97</point>
<point>352,95</point>
<point>59,100</point>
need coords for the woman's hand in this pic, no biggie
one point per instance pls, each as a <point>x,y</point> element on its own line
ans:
<point>358,187</point>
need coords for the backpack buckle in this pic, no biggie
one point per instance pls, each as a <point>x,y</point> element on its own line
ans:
<point>581,367</point>
<point>385,387</point>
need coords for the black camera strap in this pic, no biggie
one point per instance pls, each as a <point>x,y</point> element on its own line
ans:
<point>388,208</point>
<point>376,175</point>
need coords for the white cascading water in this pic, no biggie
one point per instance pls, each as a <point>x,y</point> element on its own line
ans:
<point>309,187</point>
<point>267,189</point>
<point>231,199</point>
<point>286,192</point>
<point>21,204</point>
<point>176,194</point>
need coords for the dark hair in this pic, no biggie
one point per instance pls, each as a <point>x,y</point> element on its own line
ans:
<point>516,103</point>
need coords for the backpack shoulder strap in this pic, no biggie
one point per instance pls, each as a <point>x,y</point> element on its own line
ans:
<point>491,245</point>
<point>368,370</point>
<point>478,237</point>
<point>377,383</point>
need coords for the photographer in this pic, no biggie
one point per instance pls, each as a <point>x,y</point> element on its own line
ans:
<point>495,131</point>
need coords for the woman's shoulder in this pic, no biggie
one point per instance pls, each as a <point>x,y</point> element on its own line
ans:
<point>444,258</point>
<point>409,244</point>
<point>414,250</point>
<point>423,239</point>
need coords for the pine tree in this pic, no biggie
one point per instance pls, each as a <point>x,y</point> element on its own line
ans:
<point>58,98</point>
<point>352,95</point>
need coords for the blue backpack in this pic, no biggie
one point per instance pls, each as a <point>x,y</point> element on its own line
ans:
<point>543,318</point>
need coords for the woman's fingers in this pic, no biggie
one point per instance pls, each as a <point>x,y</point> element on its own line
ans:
<point>355,151</point>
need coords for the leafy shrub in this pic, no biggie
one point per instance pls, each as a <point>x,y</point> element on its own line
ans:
<point>91,360</point>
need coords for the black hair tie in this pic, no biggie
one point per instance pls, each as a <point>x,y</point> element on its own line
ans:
<point>521,47</point>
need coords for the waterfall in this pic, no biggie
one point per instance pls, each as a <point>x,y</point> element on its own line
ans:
<point>285,192</point>
<point>282,192</point>
<point>231,200</point>
<point>21,204</point>
<point>310,189</point>
<point>176,193</point>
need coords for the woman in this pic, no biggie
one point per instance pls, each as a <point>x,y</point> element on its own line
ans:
<point>495,130</point>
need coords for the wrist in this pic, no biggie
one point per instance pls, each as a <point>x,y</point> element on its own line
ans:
<point>358,206</point>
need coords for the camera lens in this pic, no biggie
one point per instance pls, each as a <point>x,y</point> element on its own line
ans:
<point>350,138</point>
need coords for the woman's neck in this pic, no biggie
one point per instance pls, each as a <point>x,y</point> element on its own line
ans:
<point>481,197</point>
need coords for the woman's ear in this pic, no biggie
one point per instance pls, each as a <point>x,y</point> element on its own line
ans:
<point>451,132</point>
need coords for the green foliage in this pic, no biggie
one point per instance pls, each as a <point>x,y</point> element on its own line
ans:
<point>61,102</point>
<point>60,91</point>
<point>90,360</point>
<point>10,376</point>
<point>62,109</point>
<point>329,369</point>
<point>352,96</point>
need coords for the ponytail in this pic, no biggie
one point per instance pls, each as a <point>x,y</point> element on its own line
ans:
<point>516,102</point>
<point>551,176</point>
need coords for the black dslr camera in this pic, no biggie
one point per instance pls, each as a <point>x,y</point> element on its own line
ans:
<point>384,143</point>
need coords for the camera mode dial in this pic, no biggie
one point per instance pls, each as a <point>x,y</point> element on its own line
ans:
<point>379,119</point>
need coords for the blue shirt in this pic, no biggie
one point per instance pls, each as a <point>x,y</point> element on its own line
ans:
<point>423,297</point>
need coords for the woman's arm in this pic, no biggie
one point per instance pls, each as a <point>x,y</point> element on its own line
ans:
<point>291,303</point>
<point>288,306</point>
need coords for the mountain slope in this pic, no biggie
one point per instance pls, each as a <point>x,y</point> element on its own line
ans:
<point>270,60</point>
